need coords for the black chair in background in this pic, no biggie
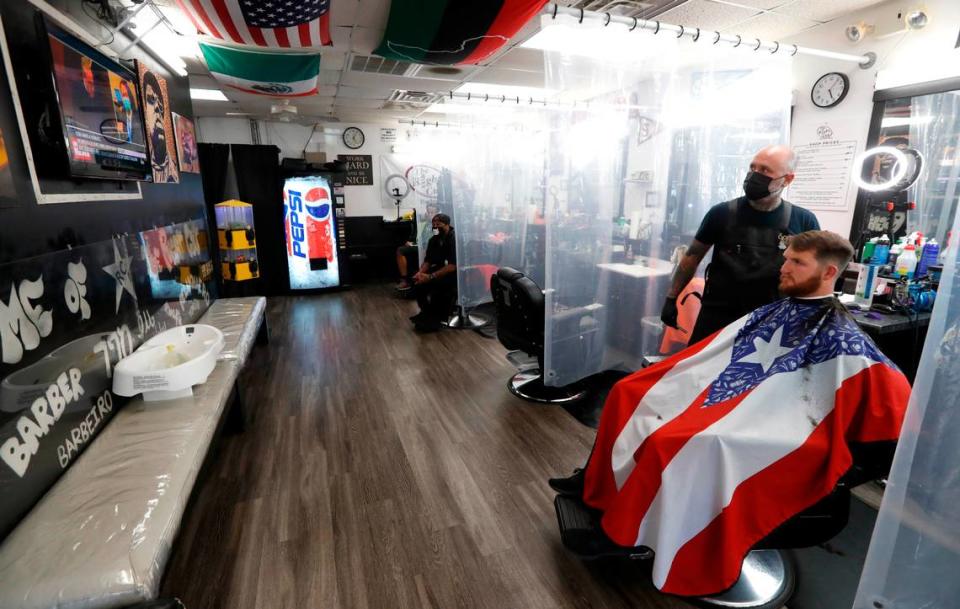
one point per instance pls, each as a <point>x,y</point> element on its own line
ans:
<point>520,322</point>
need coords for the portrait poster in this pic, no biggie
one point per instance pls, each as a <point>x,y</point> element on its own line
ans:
<point>158,120</point>
<point>186,144</point>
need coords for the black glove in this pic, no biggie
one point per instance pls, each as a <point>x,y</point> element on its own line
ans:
<point>668,315</point>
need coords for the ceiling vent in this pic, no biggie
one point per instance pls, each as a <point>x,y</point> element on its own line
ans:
<point>414,97</point>
<point>378,65</point>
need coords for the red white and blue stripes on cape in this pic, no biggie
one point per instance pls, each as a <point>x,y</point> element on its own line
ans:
<point>703,455</point>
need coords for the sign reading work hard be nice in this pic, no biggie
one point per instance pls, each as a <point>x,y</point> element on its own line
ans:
<point>359,169</point>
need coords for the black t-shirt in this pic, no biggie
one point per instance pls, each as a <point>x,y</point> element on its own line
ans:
<point>441,250</point>
<point>715,222</point>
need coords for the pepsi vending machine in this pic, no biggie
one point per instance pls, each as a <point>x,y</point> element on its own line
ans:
<point>313,218</point>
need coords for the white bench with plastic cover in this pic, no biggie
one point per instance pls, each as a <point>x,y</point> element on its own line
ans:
<point>102,535</point>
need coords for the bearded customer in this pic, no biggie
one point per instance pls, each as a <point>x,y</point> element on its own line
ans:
<point>749,235</point>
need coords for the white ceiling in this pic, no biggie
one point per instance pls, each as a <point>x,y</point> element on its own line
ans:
<point>357,26</point>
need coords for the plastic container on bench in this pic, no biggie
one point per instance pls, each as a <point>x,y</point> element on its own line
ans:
<point>168,365</point>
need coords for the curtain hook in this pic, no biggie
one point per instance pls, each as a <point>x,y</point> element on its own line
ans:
<point>486,97</point>
<point>697,37</point>
<point>796,50</point>
<point>451,93</point>
<point>581,15</point>
<point>776,48</point>
<point>555,7</point>
<point>608,20</point>
<point>657,31</point>
<point>717,39</point>
<point>739,40</point>
<point>468,96</point>
<point>518,100</point>
<point>757,48</point>
<point>634,24</point>
<point>680,35</point>
<point>503,98</point>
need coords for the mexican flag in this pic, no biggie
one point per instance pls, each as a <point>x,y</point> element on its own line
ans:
<point>263,73</point>
<point>450,32</point>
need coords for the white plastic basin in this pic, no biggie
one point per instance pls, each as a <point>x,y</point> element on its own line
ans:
<point>168,365</point>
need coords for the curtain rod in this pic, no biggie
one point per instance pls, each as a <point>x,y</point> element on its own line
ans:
<point>694,33</point>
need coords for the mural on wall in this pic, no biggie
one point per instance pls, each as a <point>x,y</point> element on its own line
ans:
<point>186,144</point>
<point>8,193</point>
<point>66,318</point>
<point>159,125</point>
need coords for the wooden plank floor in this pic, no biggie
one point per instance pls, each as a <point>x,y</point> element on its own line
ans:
<point>386,469</point>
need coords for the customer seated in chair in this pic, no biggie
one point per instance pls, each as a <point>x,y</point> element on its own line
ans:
<point>409,253</point>
<point>435,284</point>
<point>701,456</point>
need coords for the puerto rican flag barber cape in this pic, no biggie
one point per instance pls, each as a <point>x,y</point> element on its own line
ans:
<point>704,454</point>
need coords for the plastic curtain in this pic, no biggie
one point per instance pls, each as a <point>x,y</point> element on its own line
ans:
<point>935,133</point>
<point>661,129</point>
<point>914,555</point>
<point>489,178</point>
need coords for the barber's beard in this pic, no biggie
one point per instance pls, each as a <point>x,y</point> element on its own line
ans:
<point>801,289</point>
<point>158,147</point>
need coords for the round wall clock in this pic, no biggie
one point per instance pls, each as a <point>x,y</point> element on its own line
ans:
<point>353,138</point>
<point>830,89</point>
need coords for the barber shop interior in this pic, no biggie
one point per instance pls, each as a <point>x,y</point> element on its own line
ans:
<point>503,304</point>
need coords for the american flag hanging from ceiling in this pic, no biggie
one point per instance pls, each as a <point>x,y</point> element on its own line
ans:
<point>264,23</point>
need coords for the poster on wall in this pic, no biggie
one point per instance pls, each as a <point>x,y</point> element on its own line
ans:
<point>159,125</point>
<point>310,227</point>
<point>186,144</point>
<point>359,169</point>
<point>8,192</point>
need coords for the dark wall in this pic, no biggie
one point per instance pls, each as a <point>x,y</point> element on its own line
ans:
<point>82,284</point>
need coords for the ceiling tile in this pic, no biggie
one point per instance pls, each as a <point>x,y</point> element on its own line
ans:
<point>373,13</point>
<point>772,26</point>
<point>365,39</point>
<point>363,93</point>
<point>518,58</point>
<point>824,10</point>
<point>329,77</point>
<point>706,15</point>
<point>343,12</point>
<point>494,76</point>
<point>331,59</point>
<point>757,4</point>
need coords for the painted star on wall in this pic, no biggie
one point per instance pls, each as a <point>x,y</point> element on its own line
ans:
<point>766,353</point>
<point>120,271</point>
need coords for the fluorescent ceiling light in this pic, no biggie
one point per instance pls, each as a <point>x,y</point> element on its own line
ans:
<point>238,114</point>
<point>208,94</point>
<point>463,108</point>
<point>898,121</point>
<point>168,46</point>
<point>615,43</point>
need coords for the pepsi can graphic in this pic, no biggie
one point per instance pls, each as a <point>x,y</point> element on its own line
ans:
<point>310,233</point>
<point>320,240</point>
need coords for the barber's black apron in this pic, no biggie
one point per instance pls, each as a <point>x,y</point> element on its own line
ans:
<point>744,273</point>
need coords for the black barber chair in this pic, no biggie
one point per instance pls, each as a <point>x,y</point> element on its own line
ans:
<point>768,575</point>
<point>520,321</point>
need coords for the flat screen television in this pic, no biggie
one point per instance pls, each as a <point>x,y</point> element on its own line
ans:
<point>99,108</point>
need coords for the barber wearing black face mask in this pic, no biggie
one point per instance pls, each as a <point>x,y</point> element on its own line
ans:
<point>748,234</point>
<point>435,284</point>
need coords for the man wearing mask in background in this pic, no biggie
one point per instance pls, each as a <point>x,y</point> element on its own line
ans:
<point>435,284</point>
<point>749,236</point>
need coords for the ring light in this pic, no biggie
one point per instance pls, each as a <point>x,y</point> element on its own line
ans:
<point>396,196</point>
<point>906,169</point>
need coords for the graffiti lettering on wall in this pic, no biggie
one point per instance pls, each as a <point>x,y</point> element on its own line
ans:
<point>47,409</point>
<point>22,323</point>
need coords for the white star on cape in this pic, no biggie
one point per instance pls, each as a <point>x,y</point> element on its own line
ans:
<point>120,271</point>
<point>766,352</point>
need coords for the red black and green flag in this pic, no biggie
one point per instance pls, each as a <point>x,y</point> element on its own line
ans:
<point>452,32</point>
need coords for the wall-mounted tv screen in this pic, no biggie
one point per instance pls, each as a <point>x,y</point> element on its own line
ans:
<point>99,110</point>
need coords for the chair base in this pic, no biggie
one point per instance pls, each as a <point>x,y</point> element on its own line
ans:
<point>462,320</point>
<point>528,385</point>
<point>767,581</point>
<point>767,577</point>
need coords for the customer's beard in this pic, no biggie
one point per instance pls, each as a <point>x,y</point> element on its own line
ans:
<point>802,289</point>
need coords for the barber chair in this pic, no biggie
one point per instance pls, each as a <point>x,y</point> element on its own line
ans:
<point>520,322</point>
<point>768,575</point>
<point>475,278</point>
